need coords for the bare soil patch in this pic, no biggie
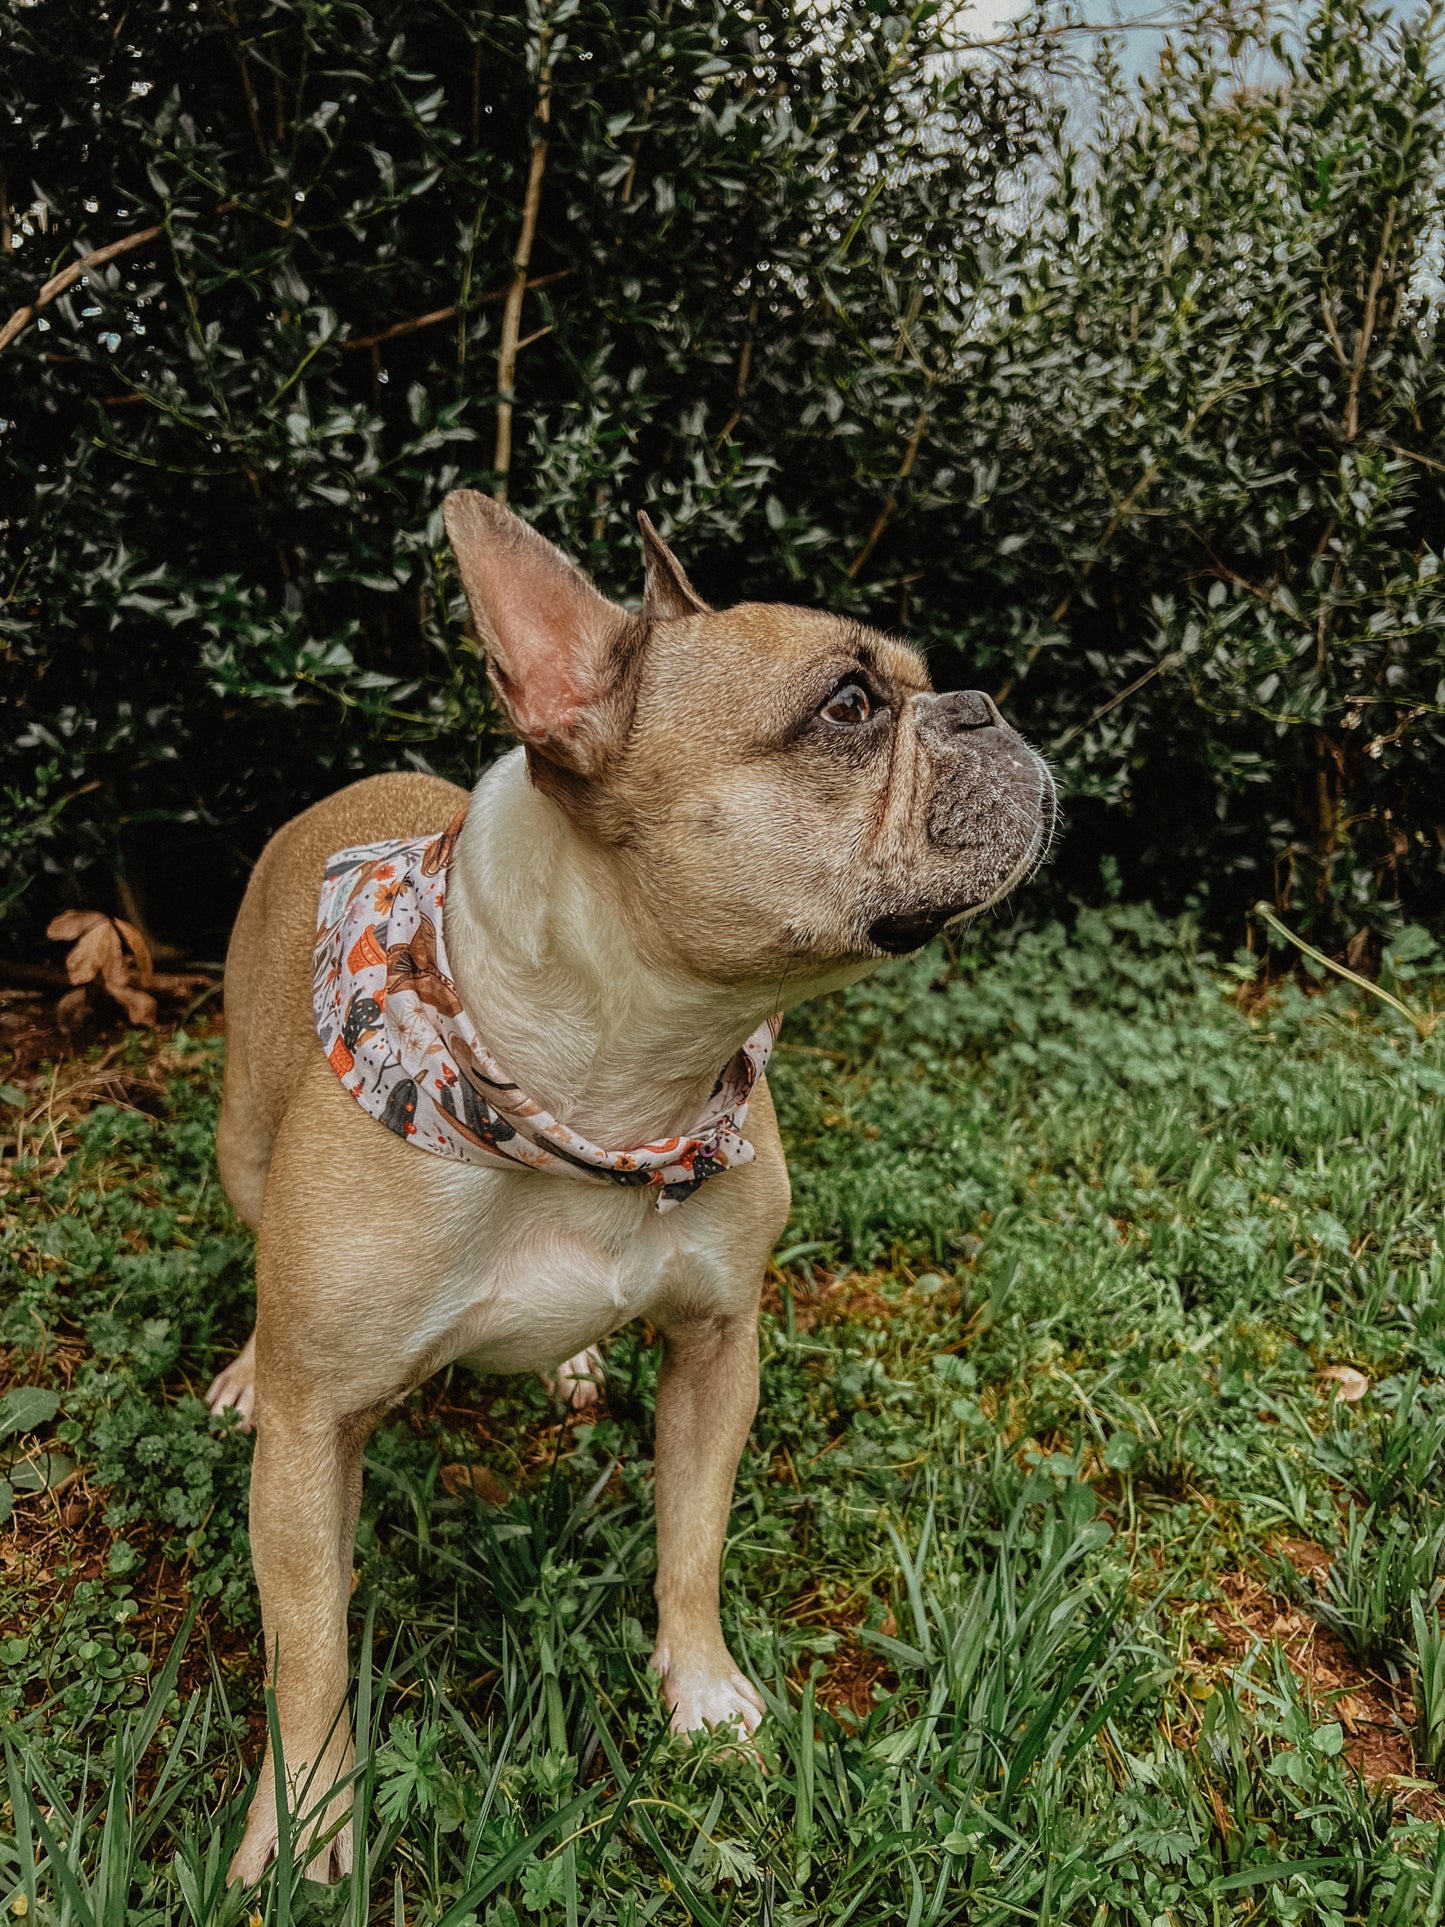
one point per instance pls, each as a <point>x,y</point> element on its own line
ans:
<point>1374,1711</point>
<point>850,1297</point>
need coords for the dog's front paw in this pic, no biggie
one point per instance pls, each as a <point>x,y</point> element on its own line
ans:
<point>705,1695</point>
<point>258,1844</point>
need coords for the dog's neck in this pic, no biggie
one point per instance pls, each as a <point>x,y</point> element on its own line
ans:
<point>553,980</point>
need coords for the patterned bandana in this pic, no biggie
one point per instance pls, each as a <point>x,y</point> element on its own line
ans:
<point>394,1031</point>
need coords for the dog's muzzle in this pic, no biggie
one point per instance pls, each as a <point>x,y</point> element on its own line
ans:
<point>990,817</point>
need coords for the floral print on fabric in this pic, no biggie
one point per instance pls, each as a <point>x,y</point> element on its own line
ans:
<point>395,1032</point>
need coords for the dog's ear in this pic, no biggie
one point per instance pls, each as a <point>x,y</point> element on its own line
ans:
<point>668,593</point>
<point>556,647</point>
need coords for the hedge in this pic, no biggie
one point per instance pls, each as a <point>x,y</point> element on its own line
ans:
<point>1122,397</point>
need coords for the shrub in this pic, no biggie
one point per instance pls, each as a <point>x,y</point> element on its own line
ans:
<point>229,583</point>
<point>1134,425</point>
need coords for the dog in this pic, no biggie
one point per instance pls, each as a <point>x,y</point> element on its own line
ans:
<point>710,816</point>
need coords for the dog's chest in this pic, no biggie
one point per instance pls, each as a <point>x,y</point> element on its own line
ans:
<point>527,1270</point>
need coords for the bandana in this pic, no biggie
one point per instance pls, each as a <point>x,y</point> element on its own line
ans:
<point>395,1032</point>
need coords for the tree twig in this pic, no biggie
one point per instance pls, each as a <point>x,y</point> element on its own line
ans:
<point>253,112</point>
<point>745,368</point>
<point>1367,329</point>
<point>1334,333</point>
<point>67,277</point>
<point>630,181</point>
<point>493,298</point>
<point>1119,696</point>
<point>521,261</point>
<point>885,514</point>
<point>1412,455</point>
<point>1154,23</point>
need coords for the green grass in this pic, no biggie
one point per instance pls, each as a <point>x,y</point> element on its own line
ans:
<point>1073,1235</point>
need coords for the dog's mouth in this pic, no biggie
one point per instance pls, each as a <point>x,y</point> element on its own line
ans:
<point>898,935</point>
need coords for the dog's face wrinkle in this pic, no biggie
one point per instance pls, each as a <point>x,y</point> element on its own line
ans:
<point>885,744</point>
<point>897,801</point>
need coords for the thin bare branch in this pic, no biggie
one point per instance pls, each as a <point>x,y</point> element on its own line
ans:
<point>1413,455</point>
<point>1334,333</point>
<point>67,278</point>
<point>1367,328</point>
<point>744,374</point>
<point>493,298</point>
<point>885,514</point>
<point>521,261</point>
<point>1119,696</point>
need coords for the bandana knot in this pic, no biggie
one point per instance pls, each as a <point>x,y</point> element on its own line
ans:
<point>398,1036</point>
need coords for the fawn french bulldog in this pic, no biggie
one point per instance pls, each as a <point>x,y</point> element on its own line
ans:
<point>495,1064</point>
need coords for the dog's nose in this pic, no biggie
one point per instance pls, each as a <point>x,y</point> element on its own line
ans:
<point>962,710</point>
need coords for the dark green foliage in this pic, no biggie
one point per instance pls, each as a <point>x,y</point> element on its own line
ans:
<point>1008,1478</point>
<point>232,595</point>
<point>1220,410</point>
<point>1141,423</point>
<point>1429,1657</point>
<point>1376,1578</point>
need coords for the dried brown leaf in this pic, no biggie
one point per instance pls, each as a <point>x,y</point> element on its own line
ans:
<point>71,1008</point>
<point>139,1005</point>
<point>1353,1385</point>
<point>139,949</point>
<point>97,954</point>
<point>457,1479</point>
<point>99,951</point>
<point>71,924</point>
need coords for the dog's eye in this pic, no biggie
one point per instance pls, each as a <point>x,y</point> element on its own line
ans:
<point>849,704</point>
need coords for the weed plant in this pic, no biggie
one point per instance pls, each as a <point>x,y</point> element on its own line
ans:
<point>1073,1234</point>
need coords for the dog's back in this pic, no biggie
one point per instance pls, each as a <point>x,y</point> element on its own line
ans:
<point>270,1032</point>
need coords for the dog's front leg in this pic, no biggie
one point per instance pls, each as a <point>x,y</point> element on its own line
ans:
<point>705,1405</point>
<point>305,1496</point>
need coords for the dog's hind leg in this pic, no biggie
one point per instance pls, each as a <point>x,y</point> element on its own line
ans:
<point>305,1496</point>
<point>244,1142</point>
<point>579,1381</point>
<point>234,1389</point>
<point>243,1154</point>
